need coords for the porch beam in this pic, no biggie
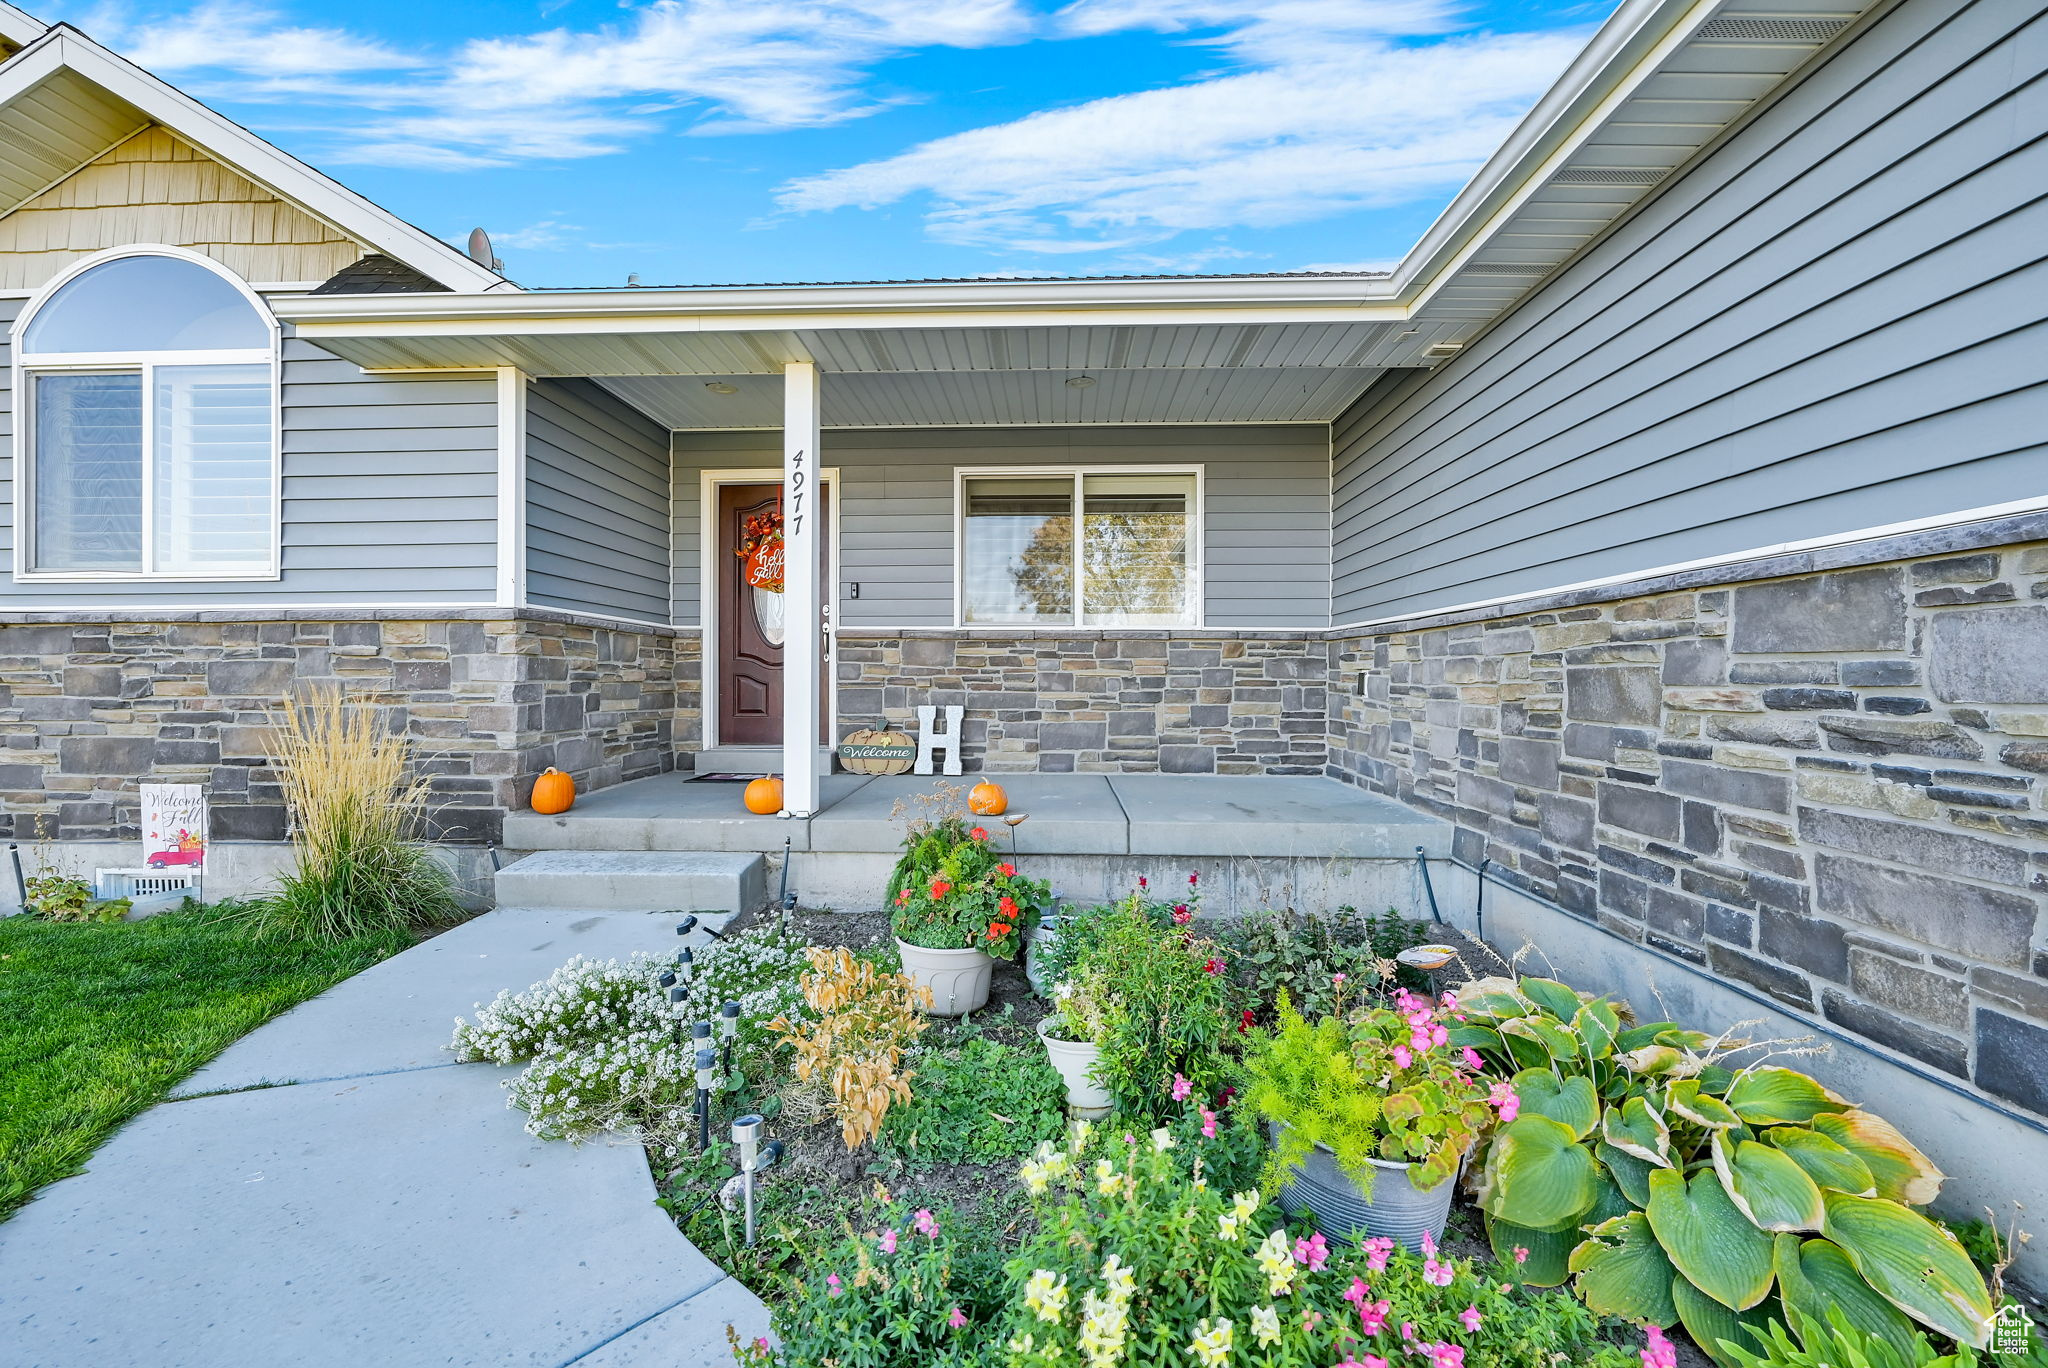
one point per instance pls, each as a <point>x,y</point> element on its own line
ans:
<point>803,530</point>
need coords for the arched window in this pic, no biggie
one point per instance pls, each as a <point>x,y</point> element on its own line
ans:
<point>148,385</point>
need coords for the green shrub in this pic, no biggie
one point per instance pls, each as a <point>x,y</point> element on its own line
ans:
<point>1838,1344</point>
<point>1154,1000</point>
<point>976,1102</point>
<point>1302,953</point>
<point>62,898</point>
<point>1674,1183</point>
<point>1379,1084</point>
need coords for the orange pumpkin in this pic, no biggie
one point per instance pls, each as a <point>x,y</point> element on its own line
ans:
<point>764,796</point>
<point>987,800</point>
<point>553,792</point>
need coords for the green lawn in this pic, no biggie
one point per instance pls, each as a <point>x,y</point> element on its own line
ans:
<point>98,1022</point>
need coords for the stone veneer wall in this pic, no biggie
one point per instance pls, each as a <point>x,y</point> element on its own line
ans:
<point>1102,701</point>
<point>1829,787</point>
<point>92,707</point>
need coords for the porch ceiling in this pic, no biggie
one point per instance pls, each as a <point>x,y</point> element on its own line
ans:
<point>1009,398</point>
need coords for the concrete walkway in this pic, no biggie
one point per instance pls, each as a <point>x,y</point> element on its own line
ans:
<point>333,1190</point>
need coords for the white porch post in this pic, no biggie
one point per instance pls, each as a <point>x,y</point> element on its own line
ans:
<point>803,528</point>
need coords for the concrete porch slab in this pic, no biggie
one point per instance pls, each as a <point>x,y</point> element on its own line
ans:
<point>1069,814</point>
<point>1262,815</point>
<point>400,1220</point>
<point>398,1014</point>
<point>667,812</point>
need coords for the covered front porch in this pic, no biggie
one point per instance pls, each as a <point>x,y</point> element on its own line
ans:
<point>1256,840</point>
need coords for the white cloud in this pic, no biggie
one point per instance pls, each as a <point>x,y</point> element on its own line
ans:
<point>1340,125</point>
<point>225,35</point>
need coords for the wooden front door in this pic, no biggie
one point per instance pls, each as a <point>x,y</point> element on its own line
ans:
<point>749,643</point>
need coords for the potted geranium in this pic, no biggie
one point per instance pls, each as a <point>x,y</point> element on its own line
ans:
<point>1370,1114</point>
<point>957,905</point>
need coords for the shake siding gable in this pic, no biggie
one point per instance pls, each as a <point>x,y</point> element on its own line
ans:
<point>1266,503</point>
<point>1835,321</point>
<point>389,495</point>
<point>597,504</point>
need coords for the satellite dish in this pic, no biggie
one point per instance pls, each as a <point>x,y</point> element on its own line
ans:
<point>480,250</point>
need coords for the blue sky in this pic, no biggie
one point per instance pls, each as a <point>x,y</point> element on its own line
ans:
<point>716,141</point>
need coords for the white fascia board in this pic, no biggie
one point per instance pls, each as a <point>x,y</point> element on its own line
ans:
<point>239,149</point>
<point>18,28</point>
<point>1625,51</point>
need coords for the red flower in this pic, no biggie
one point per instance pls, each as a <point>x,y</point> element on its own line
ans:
<point>940,888</point>
<point>1194,878</point>
<point>903,898</point>
<point>1007,870</point>
<point>1181,915</point>
<point>1245,1020</point>
<point>979,833</point>
<point>1214,966</point>
<point>1142,885</point>
<point>1008,905</point>
<point>997,930</point>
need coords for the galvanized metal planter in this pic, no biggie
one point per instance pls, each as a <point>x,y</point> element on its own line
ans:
<point>1397,1209</point>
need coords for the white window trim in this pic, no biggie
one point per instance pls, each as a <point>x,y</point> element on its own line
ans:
<point>26,365</point>
<point>1198,521</point>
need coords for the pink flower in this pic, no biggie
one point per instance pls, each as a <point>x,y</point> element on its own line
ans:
<point>1214,966</point>
<point>1521,1254</point>
<point>761,1343</point>
<point>1181,915</point>
<point>1659,1353</point>
<point>1449,1001</point>
<point>1429,1243</point>
<point>1402,1059</point>
<point>1472,1059</point>
<point>1181,1088</point>
<point>957,1319</point>
<point>1446,1355</point>
<point>1337,979</point>
<point>1438,1036</point>
<point>1470,1315</point>
<point>1376,1251</point>
<point>1374,1317</point>
<point>1408,1331</point>
<point>1313,1252</point>
<point>1208,1124</point>
<point>888,1242</point>
<point>1438,1274</point>
<point>924,1224</point>
<point>1357,1292</point>
<point>1503,1097</point>
<point>832,1284</point>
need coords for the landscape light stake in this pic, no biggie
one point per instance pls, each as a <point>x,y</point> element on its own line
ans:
<point>678,997</point>
<point>707,1068</point>
<point>754,1158</point>
<point>729,1030</point>
<point>784,900</point>
<point>689,924</point>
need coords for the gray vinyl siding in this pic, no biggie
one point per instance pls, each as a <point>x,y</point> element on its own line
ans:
<point>597,489</point>
<point>389,496</point>
<point>1266,496</point>
<point>1834,321</point>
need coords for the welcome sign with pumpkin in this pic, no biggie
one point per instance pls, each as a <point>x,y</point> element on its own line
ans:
<point>877,750</point>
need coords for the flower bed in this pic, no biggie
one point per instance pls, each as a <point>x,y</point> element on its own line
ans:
<point>1312,1156</point>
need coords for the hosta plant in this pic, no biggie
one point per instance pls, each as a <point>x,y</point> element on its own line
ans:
<point>952,889</point>
<point>1678,1176</point>
<point>1377,1083</point>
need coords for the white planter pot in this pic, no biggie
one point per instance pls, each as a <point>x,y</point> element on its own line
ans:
<point>958,979</point>
<point>1075,1062</point>
<point>1397,1208</point>
<point>1042,936</point>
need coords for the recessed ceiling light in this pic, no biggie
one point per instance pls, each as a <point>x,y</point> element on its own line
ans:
<point>720,387</point>
<point>1080,381</point>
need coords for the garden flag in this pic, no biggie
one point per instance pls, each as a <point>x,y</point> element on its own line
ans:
<point>174,826</point>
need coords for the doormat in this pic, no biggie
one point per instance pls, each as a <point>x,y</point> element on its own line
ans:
<point>722,777</point>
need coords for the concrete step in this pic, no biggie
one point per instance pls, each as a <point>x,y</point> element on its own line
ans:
<point>750,760</point>
<point>636,881</point>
